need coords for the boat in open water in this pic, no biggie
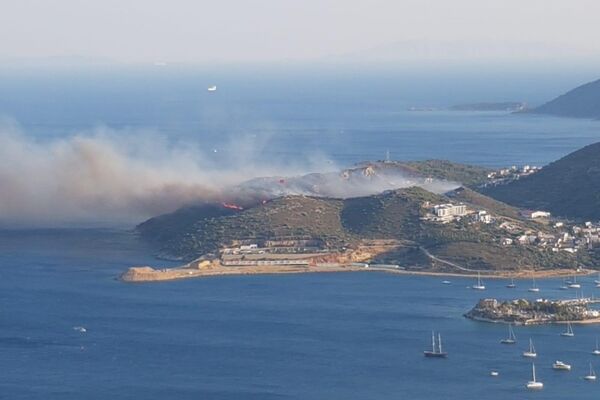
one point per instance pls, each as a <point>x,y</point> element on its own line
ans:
<point>530,353</point>
<point>512,284</point>
<point>574,284</point>
<point>596,351</point>
<point>533,287</point>
<point>479,285</point>
<point>561,366</point>
<point>569,332</point>
<point>534,384</point>
<point>591,376</point>
<point>511,339</point>
<point>436,348</point>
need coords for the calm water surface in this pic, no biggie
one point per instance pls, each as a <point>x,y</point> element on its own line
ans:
<point>312,336</point>
<point>319,336</point>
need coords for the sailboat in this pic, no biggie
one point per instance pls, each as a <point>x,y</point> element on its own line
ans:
<point>534,287</point>
<point>511,285</point>
<point>436,350</point>
<point>511,339</point>
<point>596,351</point>
<point>479,285</point>
<point>531,352</point>
<point>534,383</point>
<point>592,375</point>
<point>574,284</point>
<point>564,285</point>
<point>569,332</point>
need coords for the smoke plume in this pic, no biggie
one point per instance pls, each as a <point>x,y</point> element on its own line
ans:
<point>107,177</point>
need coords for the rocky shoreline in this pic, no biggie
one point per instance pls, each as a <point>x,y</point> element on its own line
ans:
<point>535,312</point>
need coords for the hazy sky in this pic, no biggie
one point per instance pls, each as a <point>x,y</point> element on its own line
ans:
<point>271,30</point>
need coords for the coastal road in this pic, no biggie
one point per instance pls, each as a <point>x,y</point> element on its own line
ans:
<point>434,258</point>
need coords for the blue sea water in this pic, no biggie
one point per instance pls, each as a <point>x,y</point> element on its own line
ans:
<point>293,117</point>
<point>313,336</point>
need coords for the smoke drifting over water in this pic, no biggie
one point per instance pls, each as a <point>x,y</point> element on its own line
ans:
<point>106,177</point>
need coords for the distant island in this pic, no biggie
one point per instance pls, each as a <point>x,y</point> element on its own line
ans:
<point>508,106</point>
<point>527,312</point>
<point>581,102</point>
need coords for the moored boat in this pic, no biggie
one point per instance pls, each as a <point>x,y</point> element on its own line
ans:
<point>534,384</point>
<point>596,351</point>
<point>533,287</point>
<point>561,366</point>
<point>436,349</point>
<point>569,332</point>
<point>591,376</point>
<point>511,339</point>
<point>479,285</point>
<point>530,353</point>
<point>574,284</point>
<point>512,284</point>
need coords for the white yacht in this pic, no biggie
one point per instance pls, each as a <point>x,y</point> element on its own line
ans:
<point>533,287</point>
<point>479,285</point>
<point>564,285</point>
<point>212,88</point>
<point>511,339</point>
<point>512,284</point>
<point>569,332</point>
<point>561,366</point>
<point>494,373</point>
<point>574,284</point>
<point>530,353</point>
<point>597,281</point>
<point>534,383</point>
<point>596,351</point>
<point>592,375</point>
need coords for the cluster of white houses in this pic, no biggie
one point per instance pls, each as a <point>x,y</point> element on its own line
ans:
<point>507,175</point>
<point>569,238</point>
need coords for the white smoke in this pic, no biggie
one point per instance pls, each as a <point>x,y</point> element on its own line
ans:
<point>108,177</point>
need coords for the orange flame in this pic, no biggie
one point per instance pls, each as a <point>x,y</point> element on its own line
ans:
<point>232,206</point>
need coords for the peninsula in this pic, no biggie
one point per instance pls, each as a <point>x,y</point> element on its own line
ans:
<point>432,217</point>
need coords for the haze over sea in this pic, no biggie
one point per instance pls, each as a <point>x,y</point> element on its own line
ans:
<point>313,336</point>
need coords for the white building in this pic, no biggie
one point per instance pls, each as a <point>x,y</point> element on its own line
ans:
<point>450,210</point>
<point>535,214</point>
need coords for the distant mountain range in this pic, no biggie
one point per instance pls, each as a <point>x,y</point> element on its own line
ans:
<point>581,102</point>
<point>569,187</point>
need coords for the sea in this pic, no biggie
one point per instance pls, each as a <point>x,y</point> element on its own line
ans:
<point>70,330</point>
